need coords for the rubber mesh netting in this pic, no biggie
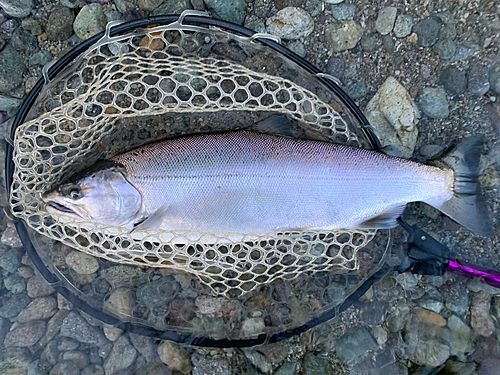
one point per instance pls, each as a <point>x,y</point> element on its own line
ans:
<point>111,99</point>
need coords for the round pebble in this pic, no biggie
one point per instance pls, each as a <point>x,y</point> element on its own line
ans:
<point>290,23</point>
<point>343,36</point>
<point>433,103</point>
<point>120,301</point>
<point>453,80</point>
<point>174,357</point>
<point>403,26</point>
<point>385,20</point>
<point>90,21</point>
<point>335,67</point>
<point>494,77</point>
<point>427,31</point>
<point>343,11</point>
<point>82,263</point>
<point>445,49</point>
<point>478,80</point>
<point>60,24</point>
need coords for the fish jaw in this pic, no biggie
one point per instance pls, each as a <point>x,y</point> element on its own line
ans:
<point>58,204</point>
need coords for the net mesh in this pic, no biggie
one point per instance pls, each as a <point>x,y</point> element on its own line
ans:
<point>92,106</point>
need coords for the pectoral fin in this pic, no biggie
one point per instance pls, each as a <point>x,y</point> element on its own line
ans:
<point>152,221</point>
<point>385,220</point>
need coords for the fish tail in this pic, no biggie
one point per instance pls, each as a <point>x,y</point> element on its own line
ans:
<point>467,206</point>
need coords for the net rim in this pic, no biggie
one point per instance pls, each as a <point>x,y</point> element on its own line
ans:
<point>187,18</point>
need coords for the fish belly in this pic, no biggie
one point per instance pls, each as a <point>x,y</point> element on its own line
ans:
<point>245,182</point>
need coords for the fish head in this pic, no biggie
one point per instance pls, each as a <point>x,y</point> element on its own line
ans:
<point>104,196</point>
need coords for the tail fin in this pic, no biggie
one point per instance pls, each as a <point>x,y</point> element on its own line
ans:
<point>467,206</point>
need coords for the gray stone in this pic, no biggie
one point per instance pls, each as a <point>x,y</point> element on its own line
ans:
<point>255,23</point>
<point>81,263</point>
<point>290,23</point>
<point>72,4</point>
<point>459,338</point>
<point>297,47</point>
<point>13,306</point>
<point>481,320</point>
<point>121,357</point>
<point>252,327</point>
<point>76,327</point>
<point>39,287</point>
<point>343,11</point>
<point>453,80</point>
<point>445,49</point>
<point>25,272</point>
<point>228,10</point>
<point>385,20</point>
<point>11,260</point>
<point>154,368</point>
<point>93,370</point>
<point>90,21</point>
<point>9,26</point>
<point>494,77</point>
<point>39,367</point>
<point>149,5</point>
<point>388,43</point>
<point>125,6</point>
<point>65,368</point>
<point>461,53</point>
<point>40,308</point>
<point>121,275</point>
<point>15,283</point>
<point>205,366</point>
<point>10,237</point>
<point>41,58</point>
<point>32,25</point>
<point>403,26</point>
<point>259,360</point>
<point>15,361</point>
<point>157,292</point>
<point>25,42</point>
<point>427,31</point>
<point>25,335</point>
<point>314,365</point>
<point>287,368</point>
<point>60,24</point>
<point>67,344</point>
<point>356,90</point>
<point>335,67</point>
<point>12,68</point>
<point>343,36</point>
<point>448,30</point>
<point>478,80</point>
<point>78,358</point>
<point>354,343</point>
<point>174,357</point>
<point>53,327</point>
<point>431,353</point>
<point>369,42</point>
<point>261,8</point>
<point>172,7</point>
<point>17,8</point>
<point>432,305</point>
<point>433,103</point>
<point>144,345</point>
<point>394,114</point>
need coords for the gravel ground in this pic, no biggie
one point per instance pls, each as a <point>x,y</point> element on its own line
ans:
<point>444,55</point>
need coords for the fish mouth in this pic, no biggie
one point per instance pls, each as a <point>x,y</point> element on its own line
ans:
<point>60,207</point>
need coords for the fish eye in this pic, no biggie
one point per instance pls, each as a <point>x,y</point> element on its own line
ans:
<point>75,192</point>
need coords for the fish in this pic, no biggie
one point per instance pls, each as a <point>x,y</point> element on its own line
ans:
<point>249,182</point>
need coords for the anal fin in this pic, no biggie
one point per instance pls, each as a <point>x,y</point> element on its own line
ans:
<point>385,220</point>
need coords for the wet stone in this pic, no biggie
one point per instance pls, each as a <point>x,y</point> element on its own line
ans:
<point>478,80</point>
<point>459,338</point>
<point>90,21</point>
<point>39,367</point>
<point>456,297</point>
<point>157,292</point>
<point>78,358</point>
<point>121,357</point>
<point>461,53</point>
<point>17,8</point>
<point>287,368</point>
<point>172,7</point>
<point>67,344</point>
<point>354,343</point>
<point>149,5</point>
<point>40,308</point>
<point>431,353</point>
<point>11,260</point>
<point>262,7</point>
<point>14,283</point>
<point>14,305</point>
<point>343,36</point>
<point>252,327</point>
<point>10,105</point>
<point>118,276</point>
<point>228,10</point>
<point>430,317</point>
<point>143,345</point>
<point>76,327</point>
<point>314,365</point>
<point>174,357</point>
<point>39,287</point>
<point>343,11</point>
<point>255,23</point>
<point>403,25</point>
<point>93,370</point>
<point>427,31</point>
<point>494,77</point>
<point>369,42</point>
<point>60,24</point>
<point>453,80</point>
<point>297,47</point>
<point>112,333</point>
<point>433,103</point>
<point>82,263</point>
<point>53,327</point>
<point>476,286</point>
<point>259,361</point>
<point>24,42</point>
<point>290,23</point>
<point>385,20</point>
<point>481,320</point>
<point>65,368</point>
<point>26,335</point>
<point>41,58</point>
<point>335,67</point>
<point>432,305</point>
<point>445,49</point>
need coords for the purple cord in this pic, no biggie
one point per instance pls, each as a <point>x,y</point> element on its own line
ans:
<point>490,277</point>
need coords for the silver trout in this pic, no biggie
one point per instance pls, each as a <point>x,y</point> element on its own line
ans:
<point>246,182</point>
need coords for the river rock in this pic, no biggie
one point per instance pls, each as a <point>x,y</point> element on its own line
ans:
<point>252,327</point>
<point>60,24</point>
<point>11,260</point>
<point>94,369</point>
<point>445,49</point>
<point>433,103</point>
<point>354,343</point>
<point>174,357</point>
<point>25,335</point>
<point>481,320</point>
<point>430,317</point>
<point>149,5</point>
<point>209,366</point>
<point>39,287</point>
<point>65,368</point>
<point>255,23</point>
<point>82,263</point>
<point>24,42</point>
<point>431,353</point>
<point>403,26</point>
<point>172,7</point>
<point>53,327</point>
<point>427,31</point>
<point>453,80</point>
<point>315,365</point>
<point>120,301</point>
<point>40,308</point>
<point>121,357</point>
<point>385,20</point>
<point>459,338</point>
<point>343,36</point>
<point>343,11</point>
<point>228,10</point>
<point>394,114</point>
<point>143,345</point>
<point>14,283</point>
<point>90,21</point>
<point>76,327</point>
<point>13,306</point>
<point>478,80</point>
<point>17,8</point>
<point>259,361</point>
<point>494,77</point>
<point>290,23</point>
